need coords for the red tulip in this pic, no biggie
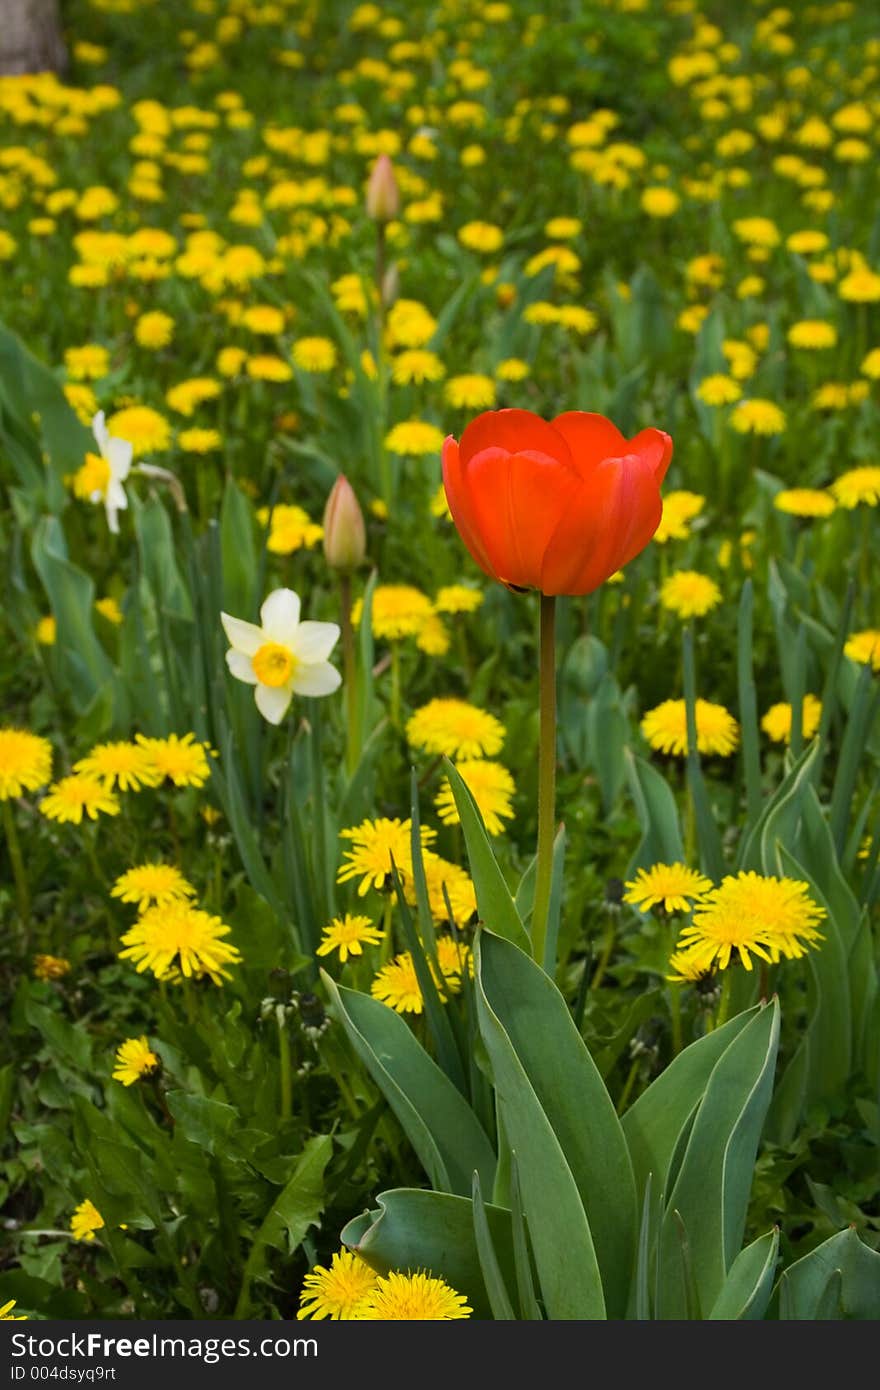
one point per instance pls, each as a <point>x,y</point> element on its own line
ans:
<point>556,506</point>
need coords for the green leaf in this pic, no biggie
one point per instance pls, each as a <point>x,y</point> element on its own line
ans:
<point>657,811</point>
<point>490,1268</point>
<point>748,704</point>
<point>68,1044</point>
<point>780,815</point>
<point>572,1096</point>
<point>438,1122</point>
<point>494,902</point>
<point>655,1120</point>
<point>71,594</point>
<point>803,1285</point>
<point>434,1231</point>
<point>708,835</point>
<point>746,1291</point>
<point>206,1123</point>
<point>711,1191</point>
<point>297,1207</point>
<point>239,549</point>
<point>565,1256</point>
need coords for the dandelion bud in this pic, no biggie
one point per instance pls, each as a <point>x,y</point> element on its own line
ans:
<point>345,539</point>
<point>383,194</point>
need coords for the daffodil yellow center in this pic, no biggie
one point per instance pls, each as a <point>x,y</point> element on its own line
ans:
<point>273,664</point>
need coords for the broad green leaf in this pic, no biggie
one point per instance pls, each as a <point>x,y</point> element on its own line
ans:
<point>565,1256</point>
<point>830,1025</point>
<point>494,902</point>
<point>708,834</point>
<point>414,1229</point>
<point>68,1044</point>
<point>438,1122</point>
<point>654,1122</point>
<point>803,1284</point>
<point>748,703</point>
<point>490,1268</point>
<point>297,1207</point>
<point>746,1291</point>
<point>657,811</point>
<point>711,1191</point>
<point>572,1096</point>
<point>780,814</point>
<point>206,1123</point>
<point>71,594</point>
<point>239,548</point>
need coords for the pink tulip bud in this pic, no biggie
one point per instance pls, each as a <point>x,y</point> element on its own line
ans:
<point>345,537</point>
<point>383,194</point>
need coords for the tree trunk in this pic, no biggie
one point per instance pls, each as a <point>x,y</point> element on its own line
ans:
<point>30,37</point>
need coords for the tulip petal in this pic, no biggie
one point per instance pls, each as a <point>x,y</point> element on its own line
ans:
<point>516,504</point>
<point>655,447</point>
<point>611,520</point>
<point>460,505</point>
<point>515,431</point>
<point>590,438</point>
<point>280,616</point>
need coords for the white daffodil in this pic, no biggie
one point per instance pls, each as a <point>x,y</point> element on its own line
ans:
<point>101,477</point>
<point>283,657</point>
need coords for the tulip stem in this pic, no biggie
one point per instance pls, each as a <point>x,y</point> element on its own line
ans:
<point>546,776</point>
<point>349,665</point>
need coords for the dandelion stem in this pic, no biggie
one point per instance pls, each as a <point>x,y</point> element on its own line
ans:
<point>284,1061</point>
<point>724,1001</point>
<point>546,776</point>
<point>18,869</point>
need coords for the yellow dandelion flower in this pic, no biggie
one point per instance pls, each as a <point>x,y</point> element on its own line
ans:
<point>665,728</point>
<point>512,369</point>
<point>152,885</point>
<point>398,611</point>
<point>860,286</point>
<point>812,334</point>
<point>183,761</point>
<point>179,936</point>
<point>154,330</point>
<point>78,795</point>
<point>753,913</point>
<point>290,529</point>
<point>46,631</point>
<point>492,788</point>
<point>455,729</point>
<point>719,389</point>
<point>483,237</point>
<point>336,1292</point>
<point>134,1059</point>
<point>264,319</point>
<point>397,985</point>
<point>865,647</point>
<point>416,366</point>
<point>433,637</point>
<point>314,355</point>
<point>756,416</point>
<point>409,324</point>
<point>777,721</point>
<point>109,609</point>
<point>25,762</point>
<point>199,441</point>
<point>413,1297</point>
<point>458,598</point>
<point>414,438</point>
<point>858,485</point>
<point>348,935</point>
<point>871,365</point>
<point>804,502</point>
<point>267,367</point>
<point>6,1313</point>
<point>472,391</point>
<point>50,967</point>
<point>374,844</point>
<point>689,594</point>
<point>673,887</point>
<point>446,881</point>
<point>660,202</point>
<point>126,766</point>
<point>86,1220</point>
<point>88,363</point>
<point>687,968</point>
<point>146,430</point>
<point>679,510</point>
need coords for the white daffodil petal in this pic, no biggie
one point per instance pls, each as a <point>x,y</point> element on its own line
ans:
<point>101,433</point>
<point>118,455</point>
<point>241,666</point>
<point>318,679</point>
<point>315,641</point>
<point>116,495</point>
<point>244,637</point>
<point>280,616</point>
<point>273,701</point>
